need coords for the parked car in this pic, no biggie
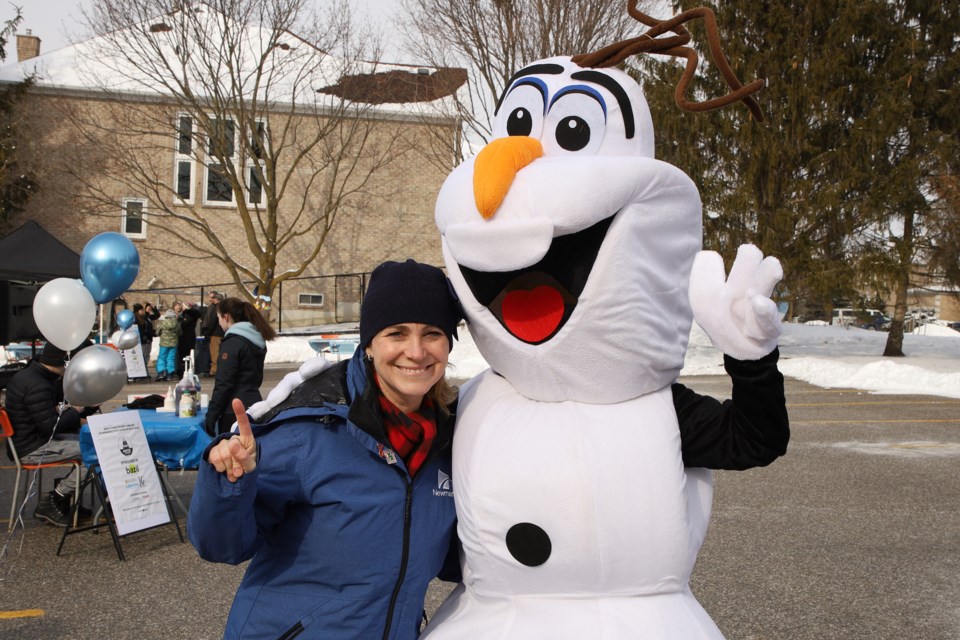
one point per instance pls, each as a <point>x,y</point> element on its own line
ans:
<point>871,319</point>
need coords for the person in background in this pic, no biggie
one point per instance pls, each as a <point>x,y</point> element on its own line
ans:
<point>168,330</point>
<point>118,305</point>
<point>145,327</point>
<point>152,314</point>
<point>212,330</point>
<point>341,496</point>
<point>189,316</point>
<point>43,431</point>
<point>240,368</point>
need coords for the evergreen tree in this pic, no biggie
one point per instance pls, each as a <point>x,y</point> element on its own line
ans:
<point>846,149</point>
<point>16,185</point>
<point>793,184</point>
<point>917,160</point>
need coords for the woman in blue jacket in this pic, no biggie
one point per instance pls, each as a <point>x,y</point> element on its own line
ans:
<point>341,495</point>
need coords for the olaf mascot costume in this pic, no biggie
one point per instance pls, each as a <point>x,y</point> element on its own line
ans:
<point>581,468</point>
<point>578,460</point>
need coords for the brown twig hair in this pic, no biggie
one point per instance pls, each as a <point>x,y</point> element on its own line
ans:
<point>673,45</point>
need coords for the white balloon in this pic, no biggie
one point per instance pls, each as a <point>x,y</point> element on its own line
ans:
<point>64,311</point>
<point>93,376</point>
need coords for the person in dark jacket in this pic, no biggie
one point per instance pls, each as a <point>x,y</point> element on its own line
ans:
<point>212,330</point>
<point>189,317</point>
<point>240,368</point>
<point>151,312</point>
<point>145,327</point>
<point>341,495</point>
<point>45,430</point>
<point>117,305</point>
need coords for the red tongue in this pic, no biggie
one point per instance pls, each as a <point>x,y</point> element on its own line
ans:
<point>533,315</point>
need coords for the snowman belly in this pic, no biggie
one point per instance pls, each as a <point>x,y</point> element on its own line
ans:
<point>571,499</point>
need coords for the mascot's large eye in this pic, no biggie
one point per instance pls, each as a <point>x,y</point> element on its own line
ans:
<point>576,121</point>
<point>519,122</point>
<point>521,112</point>
<point>573,133</point>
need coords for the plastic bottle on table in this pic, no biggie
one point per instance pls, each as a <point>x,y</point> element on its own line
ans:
<point>192,373</point>
<point>187,386</point>
<point>169,402</point>
<point>188,405</point>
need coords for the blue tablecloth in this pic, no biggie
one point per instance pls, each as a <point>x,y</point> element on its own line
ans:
<point>176,442</point>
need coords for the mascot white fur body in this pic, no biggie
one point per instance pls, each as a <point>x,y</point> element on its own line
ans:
<point>576,514</point>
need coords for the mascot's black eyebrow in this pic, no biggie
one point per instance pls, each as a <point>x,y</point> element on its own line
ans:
<point>550,69</point>
<point>613,87</point>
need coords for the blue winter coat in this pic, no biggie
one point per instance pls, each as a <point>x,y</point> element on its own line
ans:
<point>342,542</point>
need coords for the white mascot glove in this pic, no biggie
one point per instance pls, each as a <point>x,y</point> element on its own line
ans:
<point>738,315</point>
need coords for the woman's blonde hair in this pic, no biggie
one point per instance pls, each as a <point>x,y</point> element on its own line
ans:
<point>443,394</point>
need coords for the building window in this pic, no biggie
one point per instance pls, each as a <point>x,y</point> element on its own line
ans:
<point>310,300</point>
<point>218,185</point>
<point>254,188</point>
<point>222,134</point>
<point>220,146</point>
<point>184,160</point>
<point>258,142</point>
<point>255,164</point>
<point>134,217</point>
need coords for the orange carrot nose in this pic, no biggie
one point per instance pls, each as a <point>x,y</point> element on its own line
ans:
<point>495,167</point>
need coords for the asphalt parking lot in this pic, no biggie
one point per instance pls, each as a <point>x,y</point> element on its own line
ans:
<point>855,534</point>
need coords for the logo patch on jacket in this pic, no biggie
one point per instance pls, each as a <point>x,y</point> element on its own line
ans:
<point>224,356</point>
<point>444,485</point>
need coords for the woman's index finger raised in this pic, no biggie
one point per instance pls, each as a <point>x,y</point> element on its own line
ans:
<point>243,422</point>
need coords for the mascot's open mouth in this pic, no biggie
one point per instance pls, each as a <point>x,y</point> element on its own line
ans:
<point>535,302</point>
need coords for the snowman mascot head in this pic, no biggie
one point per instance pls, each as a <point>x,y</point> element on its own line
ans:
<point>569,245</point>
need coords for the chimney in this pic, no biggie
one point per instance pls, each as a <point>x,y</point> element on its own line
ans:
<point>28,46</point>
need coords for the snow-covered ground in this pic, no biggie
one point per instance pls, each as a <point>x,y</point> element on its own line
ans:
<point>827,356</point>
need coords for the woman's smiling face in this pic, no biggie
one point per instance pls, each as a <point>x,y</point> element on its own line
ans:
<point>409,359</point>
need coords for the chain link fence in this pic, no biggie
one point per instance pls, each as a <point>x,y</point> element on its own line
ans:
<point>297,304</point>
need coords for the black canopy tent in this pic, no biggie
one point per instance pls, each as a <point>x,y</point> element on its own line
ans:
<point>31,254</point>
<point>29,257</point>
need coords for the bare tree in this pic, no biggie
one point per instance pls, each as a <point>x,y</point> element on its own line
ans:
<point>493,39</point>
<point>239,91</point>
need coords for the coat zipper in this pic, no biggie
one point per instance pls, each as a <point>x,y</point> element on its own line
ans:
<point>405,555</point>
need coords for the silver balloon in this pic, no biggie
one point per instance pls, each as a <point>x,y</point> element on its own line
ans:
<point>128,339</point>
<point>93,376</point>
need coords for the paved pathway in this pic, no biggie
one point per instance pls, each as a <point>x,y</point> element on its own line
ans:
<point>855,534</point>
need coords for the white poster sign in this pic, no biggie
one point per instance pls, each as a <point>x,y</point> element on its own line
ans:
<point>126,462</point>
<point>134,359</point>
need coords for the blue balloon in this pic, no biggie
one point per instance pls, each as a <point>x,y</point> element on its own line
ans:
<point>108,266</point>
<point>125,318</point>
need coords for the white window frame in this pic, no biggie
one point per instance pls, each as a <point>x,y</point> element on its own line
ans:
<point>180,158</point>
<point>301,303</point>
<point>232,203</point>
<point>143,218</point>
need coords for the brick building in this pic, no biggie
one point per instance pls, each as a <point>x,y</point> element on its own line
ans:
<point>111,153</point>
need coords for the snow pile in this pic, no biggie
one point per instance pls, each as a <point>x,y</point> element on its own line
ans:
<point>827,356</point>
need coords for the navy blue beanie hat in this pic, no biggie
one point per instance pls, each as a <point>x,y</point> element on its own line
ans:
<point>54,356</point>
<point>408,291</point>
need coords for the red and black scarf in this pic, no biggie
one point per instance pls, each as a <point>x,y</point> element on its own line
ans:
<point>410,434</point>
